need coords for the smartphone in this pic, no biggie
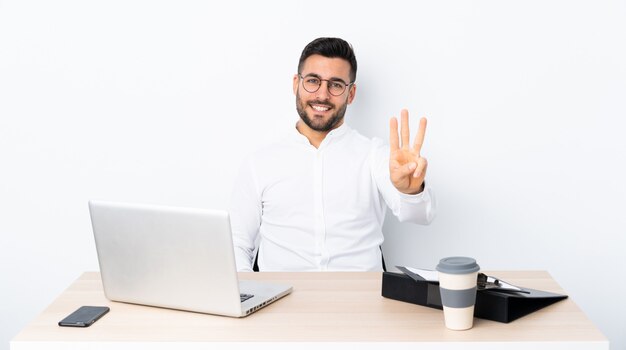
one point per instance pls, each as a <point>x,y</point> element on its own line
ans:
<point>85,316</point>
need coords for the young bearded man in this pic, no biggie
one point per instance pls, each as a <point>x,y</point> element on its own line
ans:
<point>316,200</point>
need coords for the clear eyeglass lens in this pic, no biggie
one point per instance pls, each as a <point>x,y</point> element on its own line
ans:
<point>336,87</point>
<point>312,84</point>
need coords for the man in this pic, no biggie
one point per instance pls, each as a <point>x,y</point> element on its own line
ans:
<point>316,200</point>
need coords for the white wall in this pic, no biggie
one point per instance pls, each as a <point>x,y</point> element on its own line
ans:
<point>159,101</point>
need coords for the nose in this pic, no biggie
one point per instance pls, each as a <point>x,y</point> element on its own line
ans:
<point>322,93</point>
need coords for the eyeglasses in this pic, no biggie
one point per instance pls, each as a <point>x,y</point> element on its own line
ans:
<point>312,83</point>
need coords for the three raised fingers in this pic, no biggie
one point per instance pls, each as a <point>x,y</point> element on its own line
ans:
<point>394,139</point>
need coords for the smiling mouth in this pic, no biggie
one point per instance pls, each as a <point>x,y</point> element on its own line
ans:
<point>320,108</point>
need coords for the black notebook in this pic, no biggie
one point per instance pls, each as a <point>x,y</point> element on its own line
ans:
<point>490,304</point>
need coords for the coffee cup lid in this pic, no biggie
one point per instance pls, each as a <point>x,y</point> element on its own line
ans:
<point>457,265</point>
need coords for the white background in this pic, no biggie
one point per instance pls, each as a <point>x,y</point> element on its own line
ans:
<point>159,101</point>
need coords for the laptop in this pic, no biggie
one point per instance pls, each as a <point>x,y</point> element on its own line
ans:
<point>177,258</point>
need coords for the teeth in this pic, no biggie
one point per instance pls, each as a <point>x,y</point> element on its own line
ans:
<point>320,108</point>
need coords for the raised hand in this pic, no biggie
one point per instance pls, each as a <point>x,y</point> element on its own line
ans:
<point>407,168</point>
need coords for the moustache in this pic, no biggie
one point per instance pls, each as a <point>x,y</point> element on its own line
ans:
<point>323,103</point>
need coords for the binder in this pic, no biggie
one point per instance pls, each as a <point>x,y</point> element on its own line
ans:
<point>492,305</point>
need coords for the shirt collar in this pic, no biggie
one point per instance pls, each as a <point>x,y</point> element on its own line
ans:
<point>334,134</point>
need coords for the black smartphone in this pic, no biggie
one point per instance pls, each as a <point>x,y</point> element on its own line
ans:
<point>85,316</point>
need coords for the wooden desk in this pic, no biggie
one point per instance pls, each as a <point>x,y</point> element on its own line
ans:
<point>341,309</point>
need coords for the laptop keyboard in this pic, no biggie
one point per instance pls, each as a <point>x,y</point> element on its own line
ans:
<point>245,297</point>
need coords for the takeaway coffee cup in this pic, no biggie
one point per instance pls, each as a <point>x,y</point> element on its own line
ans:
<point>457,284</point>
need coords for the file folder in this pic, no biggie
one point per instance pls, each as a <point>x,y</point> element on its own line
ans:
<point>490,304</point>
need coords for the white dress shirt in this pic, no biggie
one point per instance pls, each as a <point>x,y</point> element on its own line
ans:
<point>319,209</point>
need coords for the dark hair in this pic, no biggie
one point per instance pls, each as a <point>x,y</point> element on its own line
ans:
<point>331,48</point>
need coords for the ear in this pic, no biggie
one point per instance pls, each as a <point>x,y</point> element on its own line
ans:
<point>351,93</point>
<point>296,80</point>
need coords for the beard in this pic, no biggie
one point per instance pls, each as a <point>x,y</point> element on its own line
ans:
<point>318,124</point>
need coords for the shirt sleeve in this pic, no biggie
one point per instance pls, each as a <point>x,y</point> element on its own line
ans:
<point>245,216</point>
<point>418,208</point>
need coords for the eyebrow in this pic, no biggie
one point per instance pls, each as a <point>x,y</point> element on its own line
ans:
<point>331,78</point>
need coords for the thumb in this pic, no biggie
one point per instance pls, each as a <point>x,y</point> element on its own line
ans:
<point>408,168</point>
<point>402,171</point>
